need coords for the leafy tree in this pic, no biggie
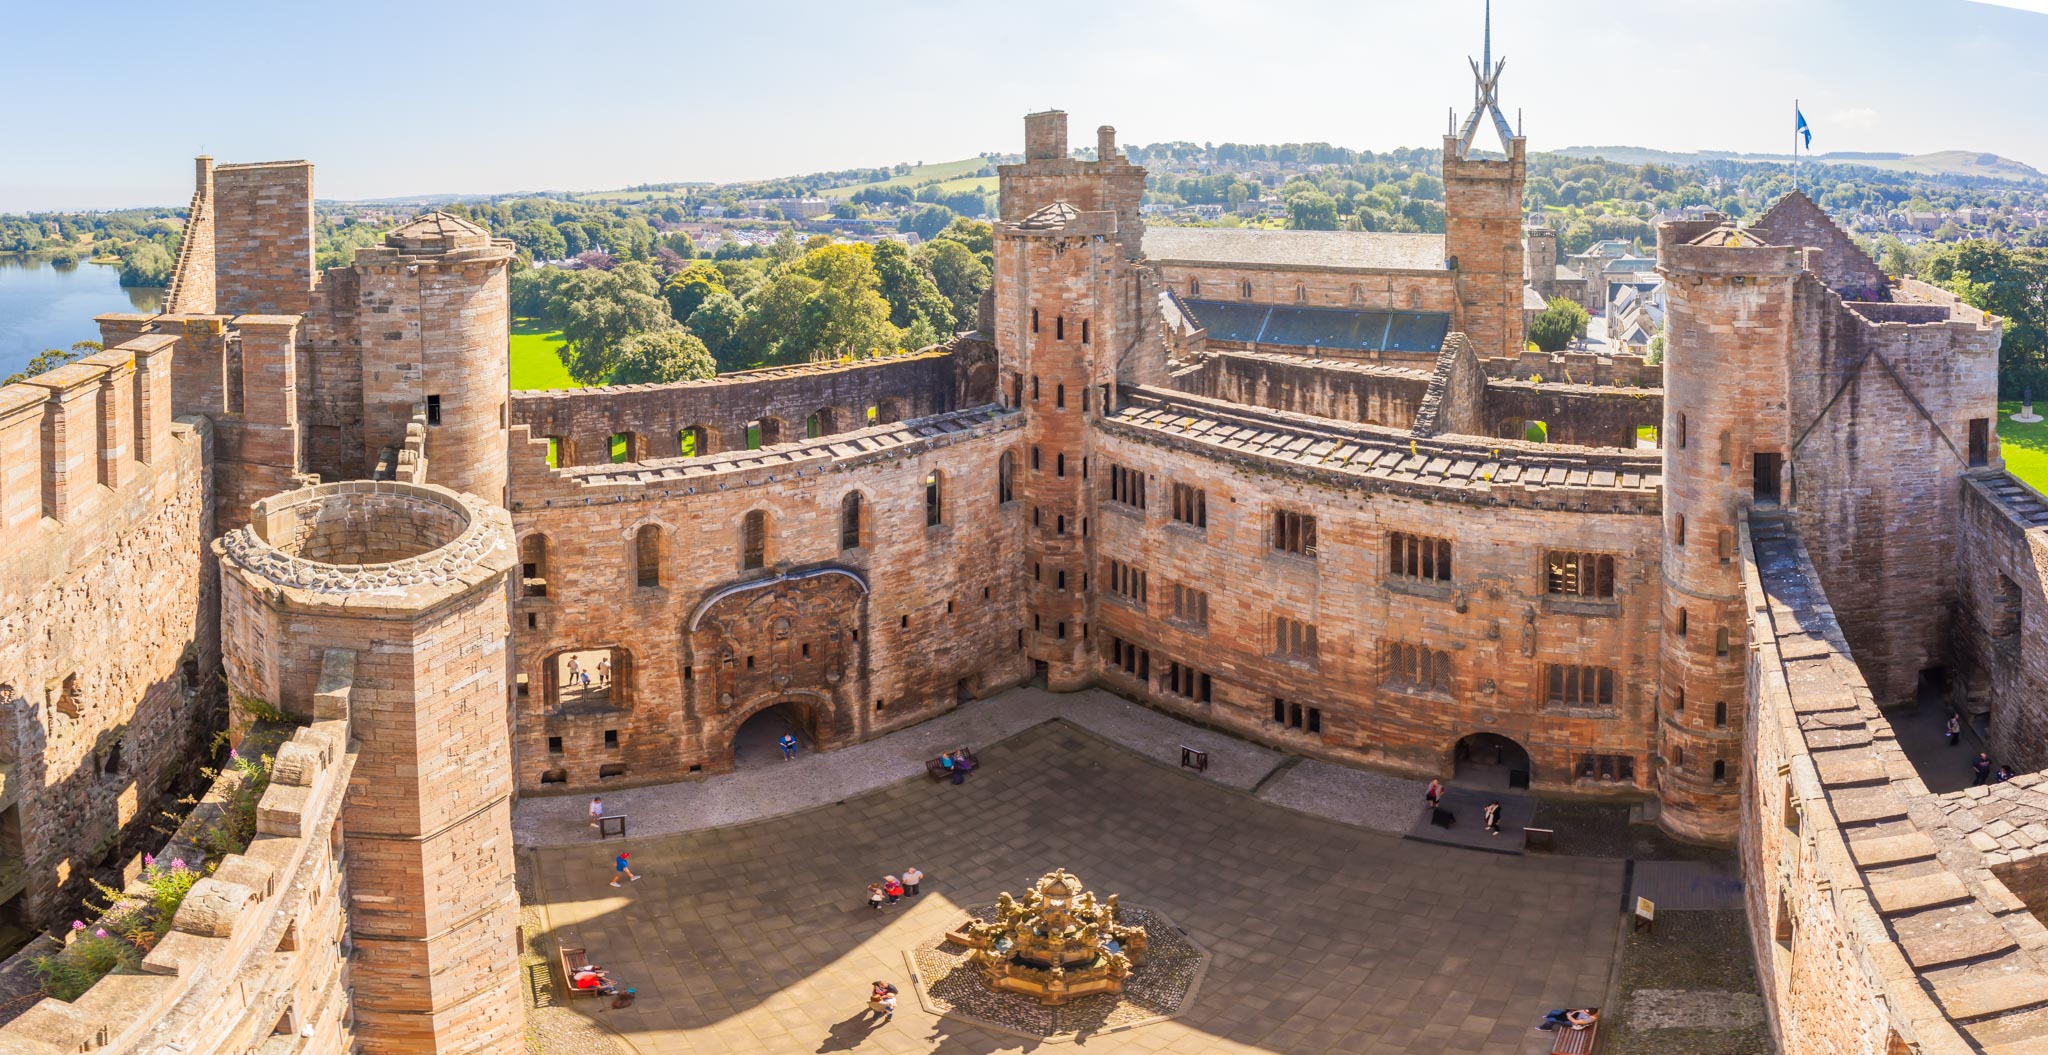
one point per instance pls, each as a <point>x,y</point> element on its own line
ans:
<point>529,294</point>
<point>622,302</point>
<point>959,274</point>
<point>51,359</point>
<point>1555,326</point>
<point>597,260</point>
<point>979,236</point>
<point>717,323</point>
<point>2012,283</point>
<point>847,316</point>
<point>690,287</point>
<point>927,222</point>
<point>146,264</point>
<point>680,242</point>
<point>908,287</point>
<point>540,240</point>
<point>773,317</point>
<point>661,356</point>
<point>1311,210</point>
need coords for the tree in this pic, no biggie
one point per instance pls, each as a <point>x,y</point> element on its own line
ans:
<point>1554,327</point>
<point>717,323</point>
<point>540,240</point>
<point>847,315</point>
<point>622,302</point>
<point>1312,210</point>
<point>51,359</point>
<point>908,287</point>
<point>2008,282</point>
<point>690,287</point>
<point>979,236</point>
<point>146,264</point>
<point>927,222</point>
<point>661,356</point>
<point>959,274</point>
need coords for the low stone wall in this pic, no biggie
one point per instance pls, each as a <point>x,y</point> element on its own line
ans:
<point>1347,390</point>
<point>1585,415</point>
<point>255,952</point>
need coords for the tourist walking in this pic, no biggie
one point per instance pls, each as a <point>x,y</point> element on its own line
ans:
<point>893,887</point>
<point>788,745</point>
<point>1493,817</point>
<point>575,671</point>
<point>1435,792</point>
<point>912,877</point>
<point>621,866</point>
<point>1955,729</point>
<point>604,671</point>
<point>1982,767</point>
<point>596,811</point>
<point>881,1002</point>
<point>874,896</point>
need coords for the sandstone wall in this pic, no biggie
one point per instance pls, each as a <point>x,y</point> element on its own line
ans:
<point>1326,388</point>
<point>1315,288</point>
<point>1998,678</point>
<point>1884,409</point>
<point>191,287</point>
<point>1492,619</point>
<point>108,625</point>
<point>1795,220</point>
<point>263,238</point>
<point>1583,415</point>
<point>921,614</point>
<point>256,955</point>
<point>1483,234</point>
<point>895,389</point>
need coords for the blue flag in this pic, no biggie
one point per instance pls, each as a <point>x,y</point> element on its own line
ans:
<point>1801,127</point>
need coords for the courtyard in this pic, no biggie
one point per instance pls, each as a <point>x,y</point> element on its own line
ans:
<point>1323,935</point>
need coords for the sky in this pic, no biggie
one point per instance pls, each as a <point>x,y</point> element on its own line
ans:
<point>449,96</point>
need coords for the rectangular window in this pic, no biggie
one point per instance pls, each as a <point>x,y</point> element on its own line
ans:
<point>1578,574</point>
<point>1980,442</point>
<point>1127,486</point>
<point>1190,506</point>
<point>1419,557</point>
<point>1767,465</point>
<point>1127,582</point>
<point>1294,639</point>
<point>1191,606</point>
<point>1130,658</point>
<point>1186,682</point>
<point>1417,668</point>
<point>1294,532</point>
<point>1608,769</point>
<point>1297,716</point>
<point>1576,686</point>
<point>433,410</point>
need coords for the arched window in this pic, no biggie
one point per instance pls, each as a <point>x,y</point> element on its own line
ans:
<point>1194,286</point>
<point>1720,715</point>
<point>823,422</point>
<point>647,555</point>
<point>1720,771</point>
<point>1244,288</point>
<point>533,566</point>
<point>934,505</point>
<point>754,540</point>
<point>849,521</point>
<point>1006,477</point>
<point>1357,294</point>
<point>1300,293</point>
<point>1414,298</point>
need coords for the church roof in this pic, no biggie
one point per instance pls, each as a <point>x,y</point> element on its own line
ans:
<point>1295,250</point>
<point>1337,329</point>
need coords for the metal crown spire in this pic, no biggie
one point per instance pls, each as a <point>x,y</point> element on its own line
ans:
<point>1486,96</point>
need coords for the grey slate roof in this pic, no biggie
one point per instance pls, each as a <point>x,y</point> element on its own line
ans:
<point>1304,250</point>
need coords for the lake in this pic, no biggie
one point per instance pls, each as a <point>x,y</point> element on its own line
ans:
<point>44,305</point>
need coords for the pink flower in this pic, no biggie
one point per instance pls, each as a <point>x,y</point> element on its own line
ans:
<point>149,860</point>
<point>177,864</point>
<point>234,754</point>
<point>99,932</point>
<point>78,924</point>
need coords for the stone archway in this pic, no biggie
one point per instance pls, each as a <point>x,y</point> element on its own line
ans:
<point>1490,760</point>
<point>761,643</point>
<point>752,739</point>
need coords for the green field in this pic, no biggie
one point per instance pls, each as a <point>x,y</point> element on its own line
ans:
<point>2025,447</point>
<point>946,170</point>
<point>535,363</point>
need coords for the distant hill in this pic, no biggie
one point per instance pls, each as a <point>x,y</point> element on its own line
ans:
<point>1968,163</point>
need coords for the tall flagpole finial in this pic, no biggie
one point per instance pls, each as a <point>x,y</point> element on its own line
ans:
<point>1489,34</point>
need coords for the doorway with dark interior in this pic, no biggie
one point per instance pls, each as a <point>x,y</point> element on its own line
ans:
<point>1490,761</point>
<point>754,742</point>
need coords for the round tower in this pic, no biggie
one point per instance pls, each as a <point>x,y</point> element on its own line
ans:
<point>1728,339</point>
<point>384,604</point>
<point>435,322</point>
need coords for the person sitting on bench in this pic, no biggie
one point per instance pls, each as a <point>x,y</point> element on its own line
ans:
<point>592,977</point>
<point>1575,1018</point>
<point>961,764</point>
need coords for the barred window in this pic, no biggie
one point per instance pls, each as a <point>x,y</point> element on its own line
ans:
<point>1186,682</point>
<point>1294,639</point>
<point>1578,574</point>
<point>1294,532</point>
<point>1418,667</point>
<point>1190,506</point>
<point>1126,581</point>
<point>1418,557</point>
<point>1576,686</point>
<point>1127,486</point>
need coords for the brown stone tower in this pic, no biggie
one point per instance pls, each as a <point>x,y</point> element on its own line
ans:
<point>1542,250</point>
<point>434,313</point>
<point>1483,220</point>
<point>384,604</point>
<point>1729,326</point>
<point>1069,297</point>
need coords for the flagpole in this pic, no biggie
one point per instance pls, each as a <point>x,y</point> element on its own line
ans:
<point>1795,144</point>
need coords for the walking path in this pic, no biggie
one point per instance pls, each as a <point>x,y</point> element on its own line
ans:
<point>1351,796</point>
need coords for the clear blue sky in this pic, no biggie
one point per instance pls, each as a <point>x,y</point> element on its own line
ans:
<point>425,97</point>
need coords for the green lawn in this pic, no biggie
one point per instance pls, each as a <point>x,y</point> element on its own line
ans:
<point>535,363</point>
<point>2025,447</point>
<point>948,170</point>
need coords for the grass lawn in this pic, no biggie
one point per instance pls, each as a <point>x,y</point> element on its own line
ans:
<point>534,361</point>
<point>949,170</point>
<point>2025,447</point>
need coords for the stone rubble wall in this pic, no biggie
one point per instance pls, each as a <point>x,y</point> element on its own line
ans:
<point>1998,637</point>
<point>1327,388</point>
<point>1456,400</point>
<point>1583,415</point>
<point>108,618</point>
<point>255,955</point>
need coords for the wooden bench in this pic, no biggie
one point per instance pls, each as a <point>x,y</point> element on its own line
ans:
<point>570,957</point>
<point>1576,1041</point>
<point>937,770</point>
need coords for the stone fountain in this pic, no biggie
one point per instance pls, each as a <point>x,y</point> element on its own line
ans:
<point>1056,944</point>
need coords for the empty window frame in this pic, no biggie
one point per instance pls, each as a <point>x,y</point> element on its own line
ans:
<point>1190,506</point>
<point>1419,557</point>
<point>1294,532</point>
<point>1578,574</point>
<point>1418,667</point>
<point>1571,685</point>
<point>1126,581</point>
<point>1127,486</point>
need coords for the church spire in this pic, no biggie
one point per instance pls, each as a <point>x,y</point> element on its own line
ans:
<point>1486,95</point>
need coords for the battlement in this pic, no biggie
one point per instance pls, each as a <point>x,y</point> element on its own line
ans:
<point>247,948</point>
<point>1722,251</point>
<point>74,438</point>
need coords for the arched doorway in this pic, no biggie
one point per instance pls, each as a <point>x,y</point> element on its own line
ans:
<point>1490,760</point>
<point>754,742</point>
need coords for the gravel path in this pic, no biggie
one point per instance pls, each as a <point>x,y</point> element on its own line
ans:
<point>1351,796</point>
<point>822,779</point>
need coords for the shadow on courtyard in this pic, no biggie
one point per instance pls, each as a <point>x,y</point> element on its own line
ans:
<point>1324,937</point>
